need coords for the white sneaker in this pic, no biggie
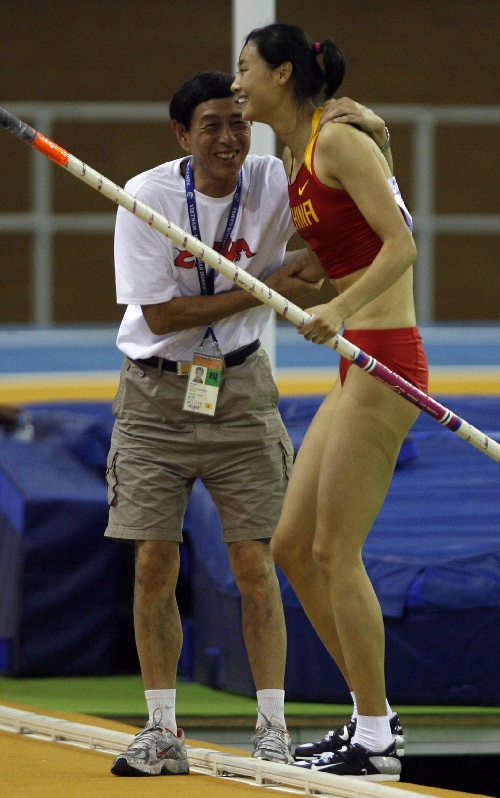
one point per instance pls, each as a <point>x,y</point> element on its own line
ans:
<point>272,743</point>
<point>154,751</point>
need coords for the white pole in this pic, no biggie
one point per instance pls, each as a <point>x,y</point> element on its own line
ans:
<point>249,14</point>
<point>240,277</point>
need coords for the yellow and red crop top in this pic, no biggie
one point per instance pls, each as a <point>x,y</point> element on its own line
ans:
<point>329,219</point>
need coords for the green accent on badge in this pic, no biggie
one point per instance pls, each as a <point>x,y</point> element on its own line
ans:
<point>213,377</point>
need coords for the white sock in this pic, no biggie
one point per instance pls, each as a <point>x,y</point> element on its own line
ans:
<point>161,706</point>
<point>354,713</point>
<point>373,732</point>
<point>271,706</point>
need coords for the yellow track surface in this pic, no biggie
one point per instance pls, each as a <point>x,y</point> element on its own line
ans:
<point>34,768</point>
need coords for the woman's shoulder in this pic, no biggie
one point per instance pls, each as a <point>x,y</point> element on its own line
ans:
<point>339,134</point>
<point>341,145</point>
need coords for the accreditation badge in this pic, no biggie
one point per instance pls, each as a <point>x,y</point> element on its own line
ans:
<point>205,376</point>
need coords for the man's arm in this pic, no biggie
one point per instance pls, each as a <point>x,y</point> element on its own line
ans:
<point>185,312</point>
<point>298,280</point>
<point>142,258</point>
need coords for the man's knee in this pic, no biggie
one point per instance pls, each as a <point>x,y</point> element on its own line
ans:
<point>156,567</point>
<point>251,563</point>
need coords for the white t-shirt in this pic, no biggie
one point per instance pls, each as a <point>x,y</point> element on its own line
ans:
<point>150,268</point>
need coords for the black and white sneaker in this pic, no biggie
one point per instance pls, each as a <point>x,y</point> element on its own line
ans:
<point>354,760</point>
<point>398,735</point>
<point>335,740</point>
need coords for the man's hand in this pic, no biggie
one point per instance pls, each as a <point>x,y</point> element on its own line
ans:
<point>349,111</point>
<point>305,264</point>
<point>297,281</point>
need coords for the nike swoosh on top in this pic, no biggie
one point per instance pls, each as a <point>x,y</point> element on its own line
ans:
<point>302,188</point>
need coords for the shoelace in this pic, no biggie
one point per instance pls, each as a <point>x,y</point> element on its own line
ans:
<point>147,736</point>
<point>275,736</point>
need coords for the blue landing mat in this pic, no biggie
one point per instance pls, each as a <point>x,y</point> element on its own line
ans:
<point>433,556</point>
<point>434,559</point>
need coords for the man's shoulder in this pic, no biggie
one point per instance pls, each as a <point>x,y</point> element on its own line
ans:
<point>265,168</point>
<point>262,162</point>
<point>160,176</point>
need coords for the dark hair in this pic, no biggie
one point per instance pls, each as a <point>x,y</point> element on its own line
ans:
<point>281,42</point>
<point>203,86</point>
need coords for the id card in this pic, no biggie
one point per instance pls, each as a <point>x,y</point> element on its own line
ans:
<point>204,383</point>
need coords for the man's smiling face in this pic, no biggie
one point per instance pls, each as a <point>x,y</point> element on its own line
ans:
<point>219,141</point>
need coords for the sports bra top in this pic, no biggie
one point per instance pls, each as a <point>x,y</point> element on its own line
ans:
<point>329,219</point>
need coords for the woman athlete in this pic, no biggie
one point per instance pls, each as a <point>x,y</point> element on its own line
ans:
<point>347,207</point>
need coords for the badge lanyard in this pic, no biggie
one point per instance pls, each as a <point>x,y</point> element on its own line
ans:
<point>206,370</point>
<point>207,280</point>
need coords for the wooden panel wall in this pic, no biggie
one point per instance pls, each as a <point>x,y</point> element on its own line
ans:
<point>397,51</point>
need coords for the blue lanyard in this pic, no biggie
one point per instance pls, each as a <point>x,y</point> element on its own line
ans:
<point>207,279</point>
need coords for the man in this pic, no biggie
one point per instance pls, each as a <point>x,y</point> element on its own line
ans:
<point>177,313</point>
<point>199,374</point>
<point>180,317</point>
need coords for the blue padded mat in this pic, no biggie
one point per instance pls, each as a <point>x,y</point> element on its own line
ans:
<point>434,559</point>
<point>61,588</point>
<point>433,556</point>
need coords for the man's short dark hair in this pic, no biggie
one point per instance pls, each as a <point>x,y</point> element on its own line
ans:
<point>203,86</point>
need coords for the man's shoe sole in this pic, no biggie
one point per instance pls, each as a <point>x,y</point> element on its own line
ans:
<point>169,767</point>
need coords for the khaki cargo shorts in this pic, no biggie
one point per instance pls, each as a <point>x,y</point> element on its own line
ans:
<point>243,454</point>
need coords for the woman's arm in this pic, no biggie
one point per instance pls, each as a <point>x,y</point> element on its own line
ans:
<point>345,158</point>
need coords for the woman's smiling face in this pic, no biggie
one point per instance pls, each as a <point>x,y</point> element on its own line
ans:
<point>255,85</point>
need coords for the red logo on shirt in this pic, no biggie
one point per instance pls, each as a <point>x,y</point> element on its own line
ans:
<point>232,251</point>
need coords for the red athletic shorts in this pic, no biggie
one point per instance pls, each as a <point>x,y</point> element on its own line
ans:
<point>399,349</point>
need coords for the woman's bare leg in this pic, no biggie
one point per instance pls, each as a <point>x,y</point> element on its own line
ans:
<point>341,478</point>
<point>292,542</point>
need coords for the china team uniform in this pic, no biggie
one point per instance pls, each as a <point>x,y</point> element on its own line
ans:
<point>330,221</point>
